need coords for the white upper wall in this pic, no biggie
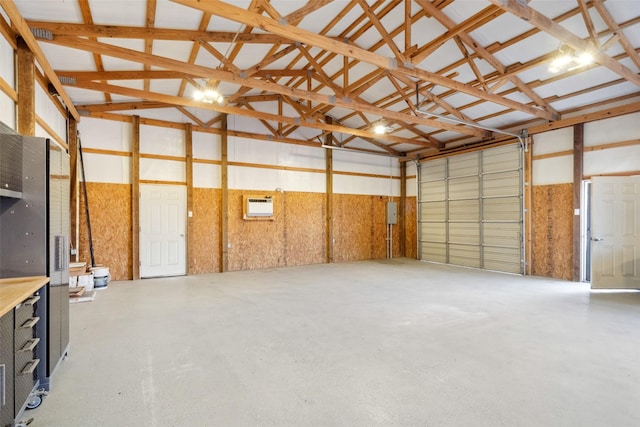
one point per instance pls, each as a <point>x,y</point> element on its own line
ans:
<point>111,136</point>
<point>253,164</point>
<point>553,170</point>
<point>599,161</point>
<point>615,129</point>
<point>47,111</point>
<point>412,179</point>
<point>7,106</point>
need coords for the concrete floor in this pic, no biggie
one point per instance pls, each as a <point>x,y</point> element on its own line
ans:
<point>375,343</point>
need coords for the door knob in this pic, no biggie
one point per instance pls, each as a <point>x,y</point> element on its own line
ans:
<point>597,239</point>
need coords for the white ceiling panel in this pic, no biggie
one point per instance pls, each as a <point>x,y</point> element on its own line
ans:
<point>514,42</point>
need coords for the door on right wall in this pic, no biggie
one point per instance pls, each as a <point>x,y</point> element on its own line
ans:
<point>615,233</point>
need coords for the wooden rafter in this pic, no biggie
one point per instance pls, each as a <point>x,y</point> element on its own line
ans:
<point>484,53</point>
<point>129,32</point>
<point>186,102</point>
<point>366,61</point>
<point>312,5</point>
<point>88,19</point>
<point>240,15</point>
<point>148,43</point>
<point>221,75</point>
<point>617,31</point>
<point>25,32</point>
<point>547,25</point>
<point>383,32</point>
<point>204,23</point>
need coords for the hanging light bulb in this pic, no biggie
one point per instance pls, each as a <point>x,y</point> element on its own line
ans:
<point>568,59</point>
<point>208,95</point>
<point>380,129</point>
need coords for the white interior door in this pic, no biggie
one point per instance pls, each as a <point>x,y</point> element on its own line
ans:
<point>615,237</point>
<point>162,230</point>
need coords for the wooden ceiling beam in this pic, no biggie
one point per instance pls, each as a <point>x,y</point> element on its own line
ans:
<point>269,60</point>
<point>192,116</point>
<point>249,18</point>
<point>148,43</point>
<point>485,54</point>
<point>222,75</point>
<point>186,102</point>
<point>123,75</point>
<point>547,25</point>
<point>129,32</point>
<point>264,122</point>
<point>368,11</point>
<point>202,26</point>
<point>121,106</point>
<point>588,22</point>
<point>452,31</point>
<point>298,15</point>
<point>613,26</point>
<point>219,56</point>
<point>23,29</point>
<point>85,10</point>
<point>7,32</point>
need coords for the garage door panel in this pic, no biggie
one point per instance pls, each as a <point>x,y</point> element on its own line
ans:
<point>502,234</point>
<point>473,211</point>
<point>433,211</point>
<point>502,209</point>
<point>434,170</point>
<point>433,191</point>
<point>466,255</point>
<point>464,210</point>
<point>464,165</point>
<point>502,259</point>
<point>436,252</point>
<point>433,232</point>
<point>501,184</point>
<point>464,232</point>
<point>464,188</point>
<point>500,159</point>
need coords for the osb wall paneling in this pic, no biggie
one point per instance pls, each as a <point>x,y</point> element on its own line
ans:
<point>351,227</point>
<point>359,228</point>
<point>411,243</point>
<point>552,213</point>
<point>255,243</point>
<point>304,229</point>
<point>110,212</point>
<point>204,245</point>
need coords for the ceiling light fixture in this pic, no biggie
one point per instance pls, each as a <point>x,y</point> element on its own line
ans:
<point>568,59</point>
<point>208,95</point>
<point>380,129</point>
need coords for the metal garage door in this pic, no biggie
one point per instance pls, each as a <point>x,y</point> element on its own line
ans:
<point>471,210</point>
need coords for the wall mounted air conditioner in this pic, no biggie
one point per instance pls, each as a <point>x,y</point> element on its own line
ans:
<point>258,207</point>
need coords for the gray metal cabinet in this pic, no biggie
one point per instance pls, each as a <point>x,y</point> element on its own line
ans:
<point>25,346</point>
<point>18,358</point>
<point>34,239</point>
<point>6,369</point>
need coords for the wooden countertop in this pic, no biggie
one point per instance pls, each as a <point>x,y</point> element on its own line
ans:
<point>16,289</point>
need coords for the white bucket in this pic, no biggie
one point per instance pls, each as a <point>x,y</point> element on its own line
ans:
<point>101,277</point>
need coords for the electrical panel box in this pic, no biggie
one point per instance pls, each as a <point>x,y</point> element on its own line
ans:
<point>392,213</point>
<point>258,208</point>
